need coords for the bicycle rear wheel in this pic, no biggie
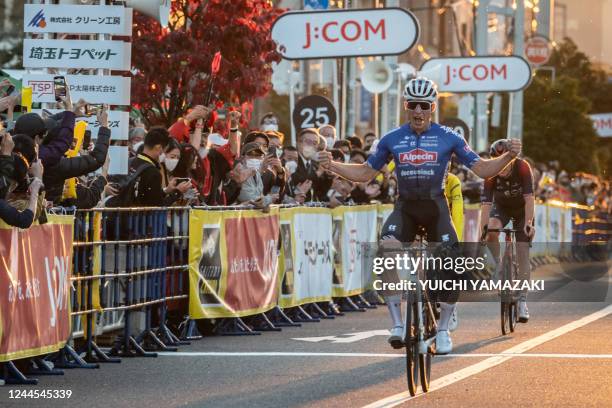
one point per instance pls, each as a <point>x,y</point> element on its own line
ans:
<point>505,318</point>
<point>412,345</point>
<point>512,315</point>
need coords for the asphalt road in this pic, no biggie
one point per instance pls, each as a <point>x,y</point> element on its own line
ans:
<point>561,358</point>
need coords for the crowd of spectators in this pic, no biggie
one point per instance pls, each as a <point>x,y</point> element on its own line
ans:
<point>206,160</point>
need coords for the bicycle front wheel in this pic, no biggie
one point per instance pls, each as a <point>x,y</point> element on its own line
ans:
<point>412,345</point>
<point>425,359</point>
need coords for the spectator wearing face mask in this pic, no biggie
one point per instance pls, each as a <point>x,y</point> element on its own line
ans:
<point>329,133</point>
<point>169,160</point>
<point>135,139</point>
<point>252,186</point>
<point>150,191</point>
<point>307,179</point>
<point>345,147</point>
<point>268,122</point>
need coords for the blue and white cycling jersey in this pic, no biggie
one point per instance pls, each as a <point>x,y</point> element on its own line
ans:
<point>421,161</point>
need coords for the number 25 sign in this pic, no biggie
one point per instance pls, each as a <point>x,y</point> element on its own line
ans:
<point>345,33</point>
<point>313,111</point>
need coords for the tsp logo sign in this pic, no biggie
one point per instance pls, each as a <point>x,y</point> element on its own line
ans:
<point>418,157</point>
<point>38,20</point>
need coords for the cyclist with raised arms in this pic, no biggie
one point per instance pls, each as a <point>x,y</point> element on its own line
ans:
<point>509,195</point>
<point>421,151</point>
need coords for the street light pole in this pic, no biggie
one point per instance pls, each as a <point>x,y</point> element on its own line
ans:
<point>515,117</point>
<point>481,118</point>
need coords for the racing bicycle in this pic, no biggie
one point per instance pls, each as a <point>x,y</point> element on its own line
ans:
<point>509,272</point>
<point>420,326</point>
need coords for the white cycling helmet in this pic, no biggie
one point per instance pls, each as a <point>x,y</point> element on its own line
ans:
<point>421,89</point>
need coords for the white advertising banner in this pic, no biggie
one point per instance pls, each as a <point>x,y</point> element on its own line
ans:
<point>312,234</point>
<point>111,90</point>
<point>118,123</point>
<point>345,33</point>
<point>478,74</point>
<point>77,19</point>
<point>119,157</point>
<point>43,53</point>
<point>602,122</point>
<point>357,235</point>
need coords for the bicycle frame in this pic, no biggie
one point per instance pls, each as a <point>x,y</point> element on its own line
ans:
<point>423,343</point>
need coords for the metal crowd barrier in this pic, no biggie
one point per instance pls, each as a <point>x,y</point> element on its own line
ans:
<point>127,263</point>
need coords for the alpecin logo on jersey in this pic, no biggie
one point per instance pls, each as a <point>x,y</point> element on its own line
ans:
<point>418,157</point>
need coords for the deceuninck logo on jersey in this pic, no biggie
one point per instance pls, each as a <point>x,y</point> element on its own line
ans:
<point>417,157</point>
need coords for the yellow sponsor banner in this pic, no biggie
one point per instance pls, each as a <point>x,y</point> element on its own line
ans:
<point>233,265</point>
<point>306,261</point>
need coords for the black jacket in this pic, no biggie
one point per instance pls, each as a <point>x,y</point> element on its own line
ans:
<point>150,192</point>
<point>320,184</point>
<point>68,167</point>
<point>14,217</point>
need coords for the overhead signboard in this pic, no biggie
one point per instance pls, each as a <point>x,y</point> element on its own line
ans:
<point>118,123</point>
<point>112,90</point>
<point>43,53</point>
<point>478,74</point>
<point>345,33</point>
<point>77,19</point>
<point>538,50</point>
<point>313,111</point>
<point>602,122</point>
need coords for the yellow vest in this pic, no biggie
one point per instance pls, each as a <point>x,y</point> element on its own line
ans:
<point>452,191</point>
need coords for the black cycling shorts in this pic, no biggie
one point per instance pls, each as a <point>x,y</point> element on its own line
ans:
<point>433,215</point>
<point>504,215</point>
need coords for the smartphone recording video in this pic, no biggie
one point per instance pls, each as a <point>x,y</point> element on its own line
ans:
<point>59,87</point>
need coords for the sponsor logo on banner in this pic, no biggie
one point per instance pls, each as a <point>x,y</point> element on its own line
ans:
<point>112,90</point>
<point>118,123</point>
<point>418,157</point>
<point>344,33</point>
<point>38,20</point>
<point>77,19</point>
<point>478,74</point>
<point>34,307</point>
<point>44,53</point>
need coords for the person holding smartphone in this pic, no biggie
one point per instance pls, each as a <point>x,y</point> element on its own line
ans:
<point>53,138</point>
<point>69,167</point>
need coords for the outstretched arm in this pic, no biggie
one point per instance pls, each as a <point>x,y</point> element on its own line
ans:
<point>360,173</point>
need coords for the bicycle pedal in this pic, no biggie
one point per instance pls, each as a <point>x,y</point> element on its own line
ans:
<point>522,320</point>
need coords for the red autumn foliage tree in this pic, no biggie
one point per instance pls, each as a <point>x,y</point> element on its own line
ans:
<point>172,65</point>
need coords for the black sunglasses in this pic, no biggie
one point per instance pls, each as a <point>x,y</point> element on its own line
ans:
<point>412,105</point>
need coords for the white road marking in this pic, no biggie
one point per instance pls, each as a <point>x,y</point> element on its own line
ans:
<point>374,355</point>
<point>481,366</point>
<point>347,338</point>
